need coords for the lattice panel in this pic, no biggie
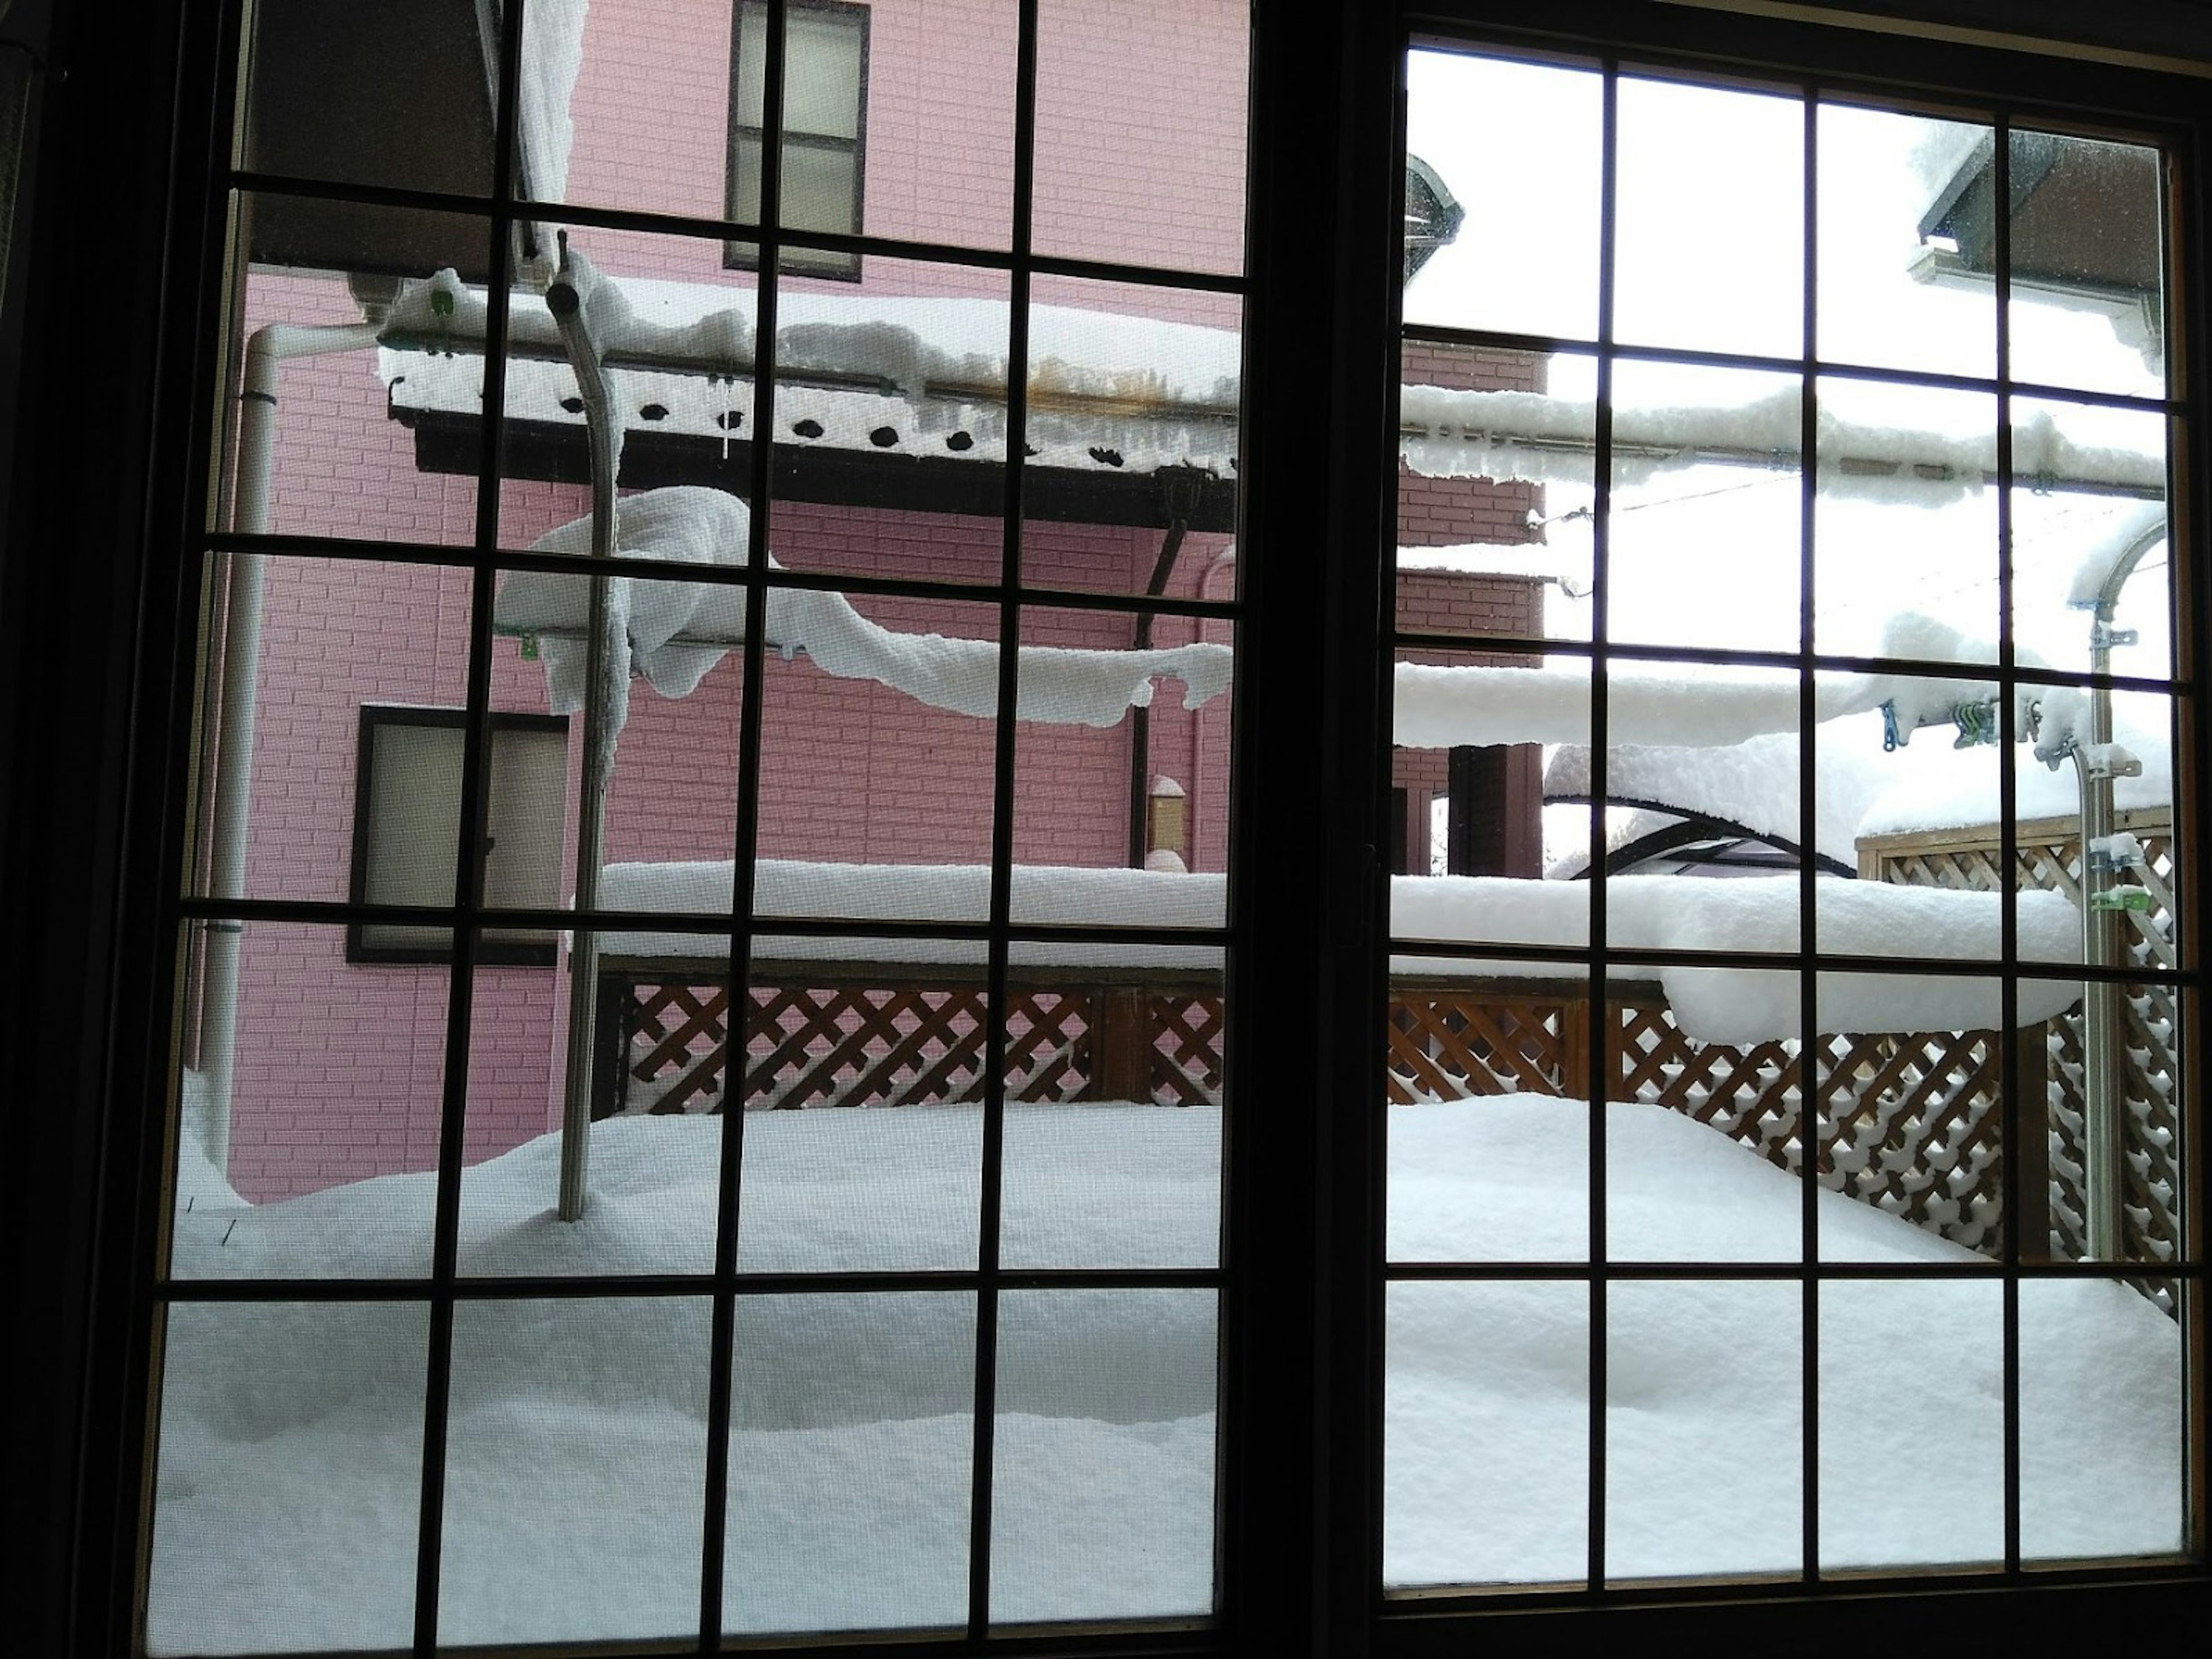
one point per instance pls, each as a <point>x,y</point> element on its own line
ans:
<point>1186,1055</point>
<point>2050,856</point>
<point>1751,1095</point>
<point>853,1044</point>
<point>678,1044</point>
<point>1913,1125</point>
<point>1450,1045</point>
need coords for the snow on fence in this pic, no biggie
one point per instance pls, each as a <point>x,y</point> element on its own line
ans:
<point>1910,1118</point>
<point>2048,854</point>
<point>1910,1123</point>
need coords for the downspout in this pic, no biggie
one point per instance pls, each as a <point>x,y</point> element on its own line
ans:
<point>1180,485</point>
<point>2103,1150</point>
<point>572,314</point>
<point>269,346</point>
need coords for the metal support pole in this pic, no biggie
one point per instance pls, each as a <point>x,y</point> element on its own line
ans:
<point>2103,1088</point>
<point>568,300</point>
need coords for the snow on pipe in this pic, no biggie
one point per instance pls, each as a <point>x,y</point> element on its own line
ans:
<point>1536,438</point>
<point>581,307</point>
<point>269,347</point>
<point>678,631</point>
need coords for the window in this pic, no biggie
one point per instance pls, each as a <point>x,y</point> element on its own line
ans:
<point>407,811</point>
<point>1879,1043</point>
<point>383,1328</point>
<point>825,127</point>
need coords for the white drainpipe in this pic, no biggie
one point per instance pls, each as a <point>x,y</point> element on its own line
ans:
<point>269,346</point>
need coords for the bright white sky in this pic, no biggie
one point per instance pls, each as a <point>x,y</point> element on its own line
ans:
<point>1710,256</point>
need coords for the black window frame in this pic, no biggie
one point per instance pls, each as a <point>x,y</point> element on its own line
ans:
<point>795,257</point>
<point>99,753</point>
<point>540,951</point>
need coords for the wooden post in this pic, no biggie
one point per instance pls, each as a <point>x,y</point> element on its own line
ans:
<point>2029,1098</point>
<point>1575,1048</point>
<point>1121,1045</point>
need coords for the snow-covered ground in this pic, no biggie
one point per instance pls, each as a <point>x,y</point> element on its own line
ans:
<point>291,1434</point>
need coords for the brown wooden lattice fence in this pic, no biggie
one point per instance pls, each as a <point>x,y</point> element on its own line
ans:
<point>1909,1123</point>
<point>859,1034</point>
<point>2048,855</point>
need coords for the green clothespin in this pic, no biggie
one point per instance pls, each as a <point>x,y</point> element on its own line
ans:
<point>441,303</point>
<point>2135,899</point>
<point>525,646</point>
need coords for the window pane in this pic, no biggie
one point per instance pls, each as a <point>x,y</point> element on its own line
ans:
<point>2106,1482</point>
<point>304,1076</point>
<point>2087,264</point>
<point>650,1151</point>
<point>313,444</point>
<point>1114,1116</point>
<point>310,108</point>
<point>327,638</point>
<point>1894,290</point>
<point>575,1458</point>
<point>1140,133</point>
<point>890,424</point>
<point>1702,1149</point>
<point>1464,115</point>
<point>820,192</point>
<point>851,1442</point>
<point>864,1068</point>
<point>1941,1347</point>
<point>1706,527</point>
<point>286,1503</point>
<point>1905,527</point>
<point>1122,765</point>
<point>1496,451</point>
<point>1711,250</point>
<point>1688,1490</point>
<point>1102,1474</point>
<point>2090,536</point>
<point>1489,1118</point>
<point>823,54</point>
<point>1132,431</point>
<point>1486,1434</point>
<point>1916,1076</point>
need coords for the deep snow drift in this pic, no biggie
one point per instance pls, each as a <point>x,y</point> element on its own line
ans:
<point>291,1445</point>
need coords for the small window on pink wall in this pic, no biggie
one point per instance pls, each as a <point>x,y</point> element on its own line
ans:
<point>825,125</point>
<point>407,799</point>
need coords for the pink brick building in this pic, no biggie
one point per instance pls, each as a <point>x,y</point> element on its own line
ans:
<point>1138,161</point>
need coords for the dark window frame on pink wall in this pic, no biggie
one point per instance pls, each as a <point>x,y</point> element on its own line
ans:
<point>846,24</point>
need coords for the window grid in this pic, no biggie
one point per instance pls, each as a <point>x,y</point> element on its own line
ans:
<point>502,212</point>
<point>1598,956</point>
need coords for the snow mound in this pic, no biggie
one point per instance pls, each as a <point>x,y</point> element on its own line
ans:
<point>291,1433</point>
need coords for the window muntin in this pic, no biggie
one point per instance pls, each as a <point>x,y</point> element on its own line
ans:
<point>876,1016</point>
<point>1558,1278</point>
<point>825,120</point>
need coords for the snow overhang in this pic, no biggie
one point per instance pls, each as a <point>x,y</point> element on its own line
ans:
<point>889,402</point>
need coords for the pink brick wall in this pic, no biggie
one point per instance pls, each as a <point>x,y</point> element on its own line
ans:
<point>1138,160</point>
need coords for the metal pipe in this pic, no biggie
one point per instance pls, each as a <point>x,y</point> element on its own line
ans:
<point>271,345</point>
<point>571,314</point>
<point>2102,1091</point>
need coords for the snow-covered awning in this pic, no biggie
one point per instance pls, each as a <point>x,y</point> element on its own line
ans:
<point>1112,400</point>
